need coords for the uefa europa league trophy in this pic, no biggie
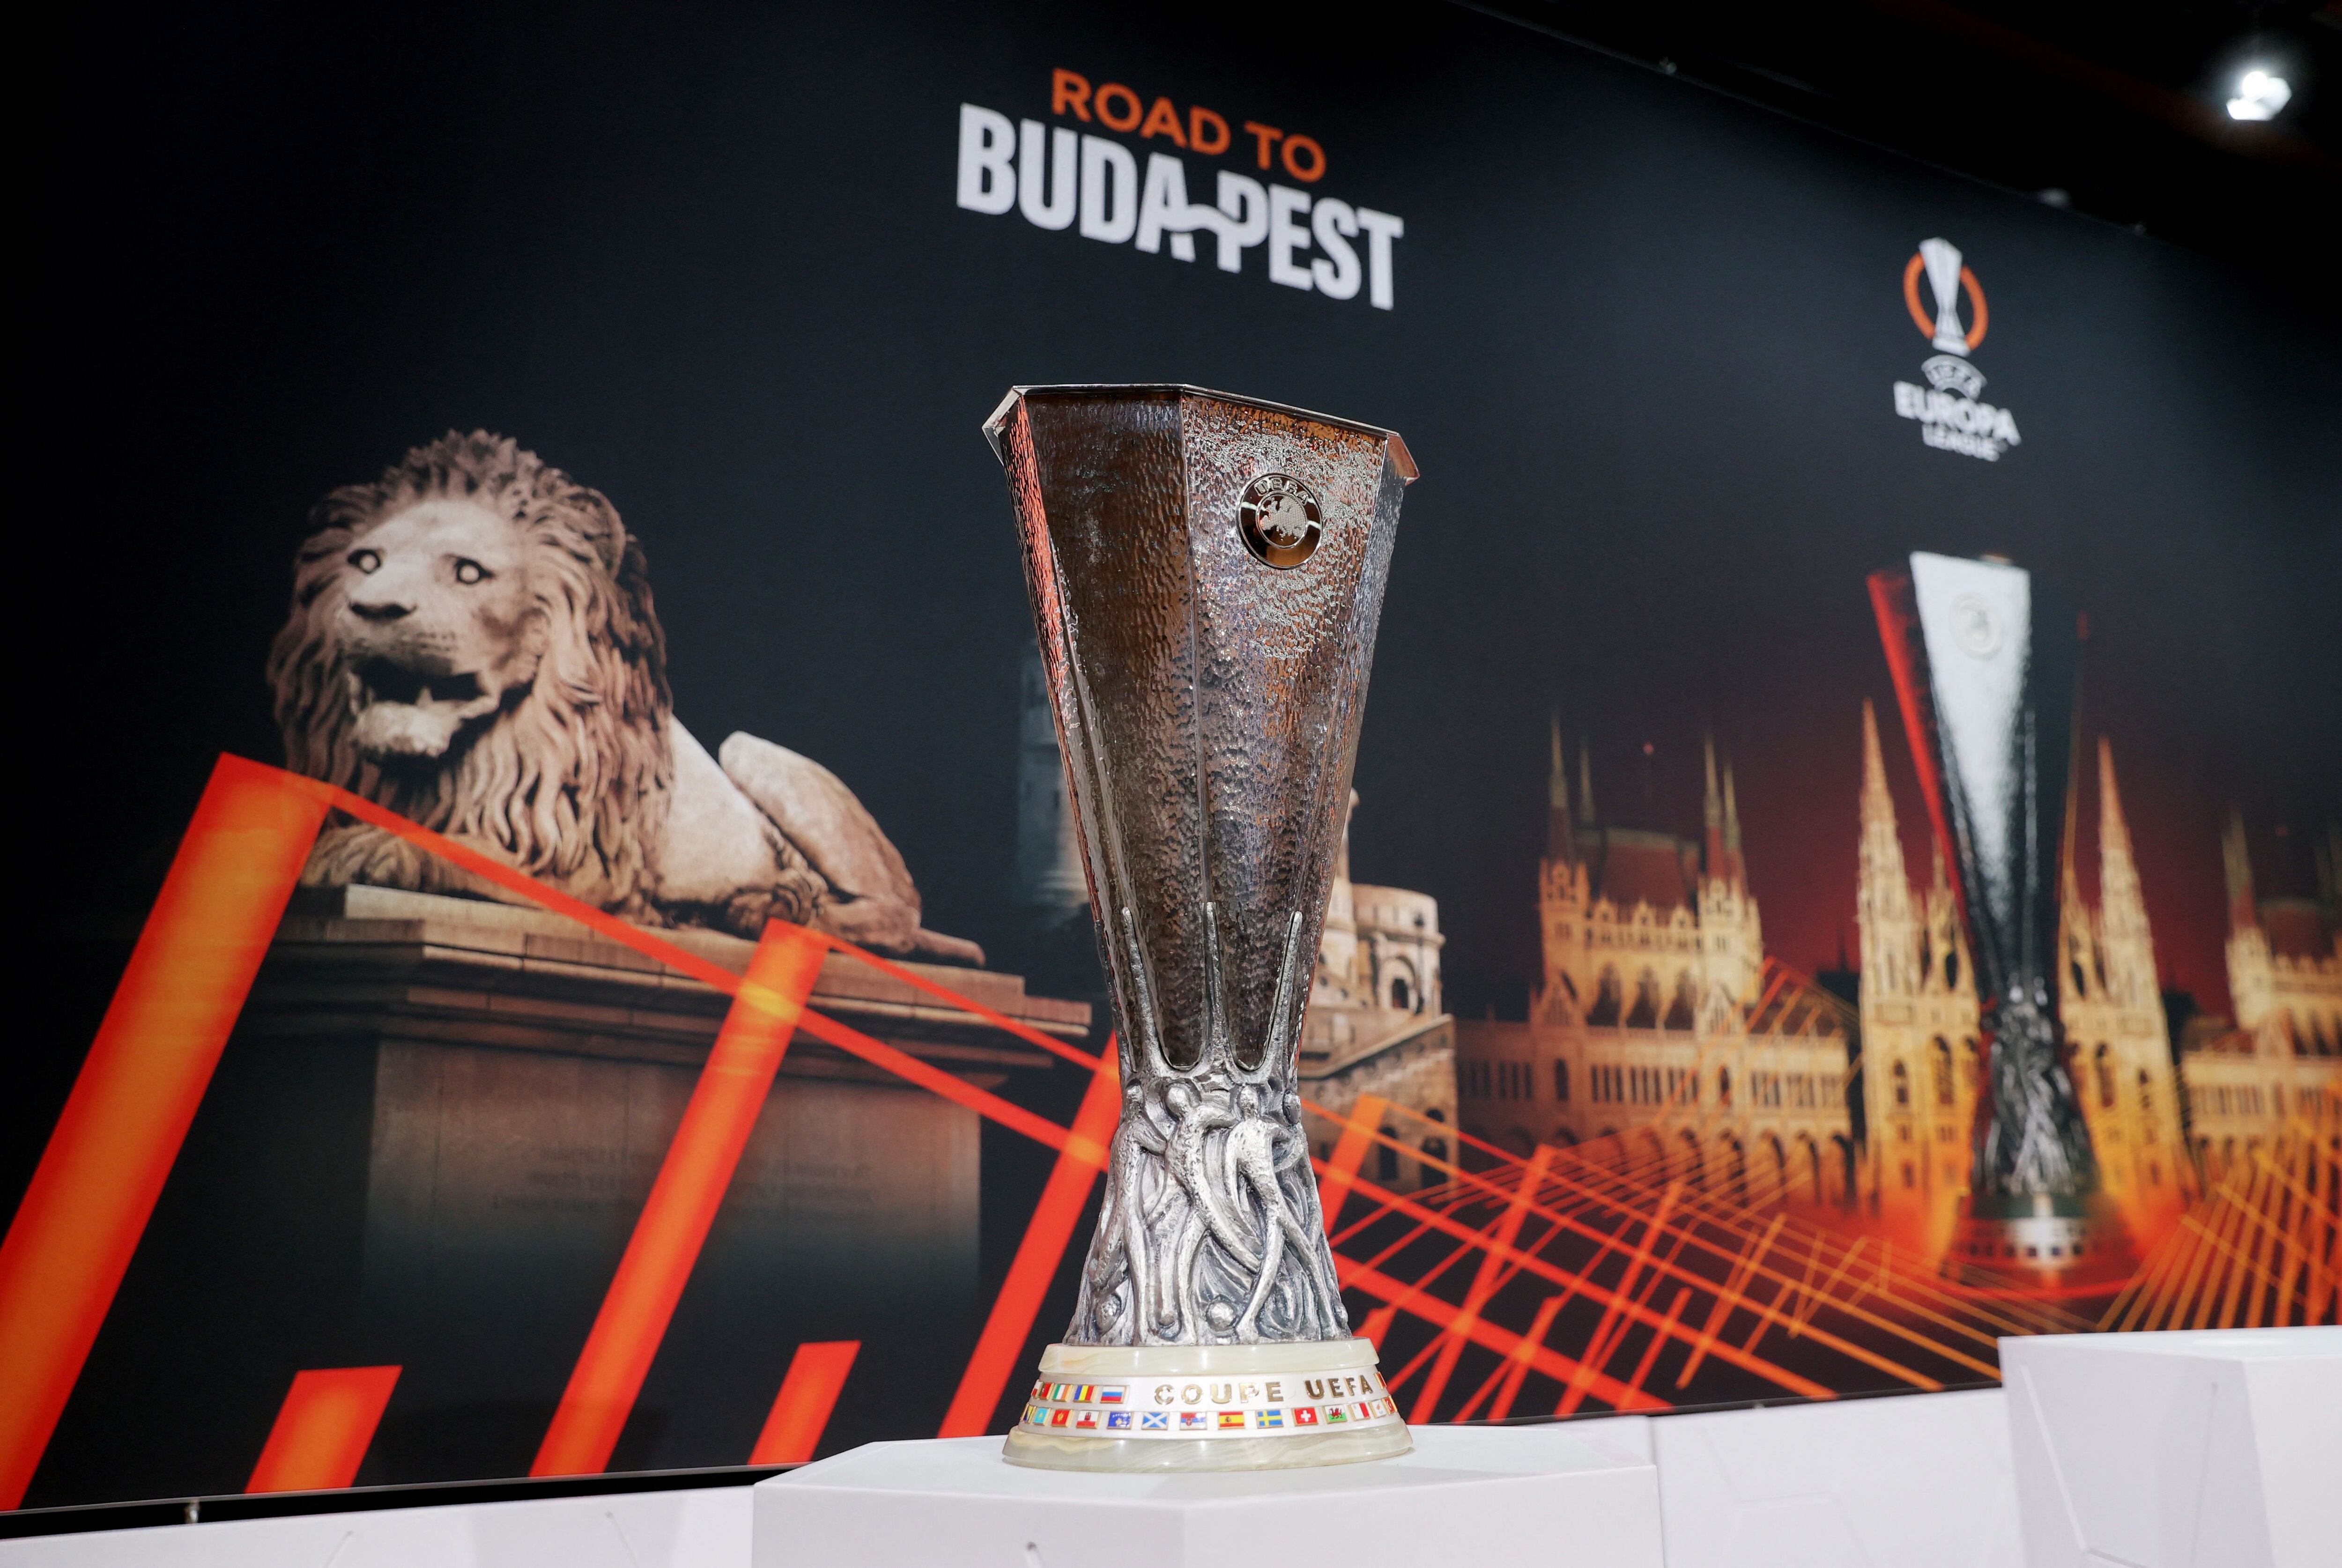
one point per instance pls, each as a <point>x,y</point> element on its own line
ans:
<point>1206,573</point>
<point>1984,661</point>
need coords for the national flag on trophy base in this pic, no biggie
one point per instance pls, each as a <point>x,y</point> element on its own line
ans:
<point>1111,1394</point>
<point>1155,1421</point>
<point>1304,1415</point>
<point>1232,1418</point>
<point>1117,1421</point>
<point>1335,1413</point>
<point>1060,1417</point>
<point>1264,1419</point>
<point>1088,1418</point>
<point>1191,1419</point>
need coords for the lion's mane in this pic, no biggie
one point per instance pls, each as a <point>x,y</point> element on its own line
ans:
<point>568,777</point>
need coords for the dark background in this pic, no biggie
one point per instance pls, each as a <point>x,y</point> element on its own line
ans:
<point>707,260</point>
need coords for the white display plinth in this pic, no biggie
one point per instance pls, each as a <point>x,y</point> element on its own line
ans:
<point>1490,1497</point>
<point>2174,1450</point>
<point>1906,1480</point>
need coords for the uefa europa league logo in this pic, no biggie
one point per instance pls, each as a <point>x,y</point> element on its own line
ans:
<point>1950,416</point>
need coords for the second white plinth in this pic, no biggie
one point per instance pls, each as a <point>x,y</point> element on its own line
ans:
<point>2178,1449</point>
<point>1493,1497</point>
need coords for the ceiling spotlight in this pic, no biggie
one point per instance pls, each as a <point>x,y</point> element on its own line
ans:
<point>2260,93</point>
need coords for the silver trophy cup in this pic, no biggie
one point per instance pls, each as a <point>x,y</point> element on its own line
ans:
<point>1984,664</point>
<point>1206,573</point>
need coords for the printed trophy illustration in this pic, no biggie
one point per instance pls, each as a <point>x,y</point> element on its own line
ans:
<point>1942,259</point>
<point>1984,664</point>
<point>1206,573</point>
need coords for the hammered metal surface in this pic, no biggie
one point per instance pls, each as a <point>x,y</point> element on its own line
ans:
<point>1208,704</point>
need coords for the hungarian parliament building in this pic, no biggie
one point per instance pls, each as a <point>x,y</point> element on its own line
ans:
<point>1661,1022</point>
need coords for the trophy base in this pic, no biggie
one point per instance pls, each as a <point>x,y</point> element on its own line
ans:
<point>1207,1407</point>
<point>2062,1246</point>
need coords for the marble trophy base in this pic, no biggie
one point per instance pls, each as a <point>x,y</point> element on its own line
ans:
<point>2065,1244</point>
<point>1164,1408</point>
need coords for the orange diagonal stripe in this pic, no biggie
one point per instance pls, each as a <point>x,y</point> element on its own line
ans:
<point>1010,1323</point>
<point>1334,1176</point>
<point>690,1188</point>
<point>809,1394</point>
<point>138,1089</point>
<point>711,974</point>
<point>323,1429</point>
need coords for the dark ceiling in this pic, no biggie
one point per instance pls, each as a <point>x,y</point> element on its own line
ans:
<point>2114,108</point>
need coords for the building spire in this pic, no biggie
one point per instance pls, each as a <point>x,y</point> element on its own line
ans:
<point>2076,938</point>
<point>1874,768</point>
<point>1560,843</point>
<point>2125,941</point>
<point>1733,864</point>
<point>2243,914</point>
<point>2119,898</point>
<point>1585,782</point>
<point>1885,929</point>
<point>1884,884</point>
<point>1714,815</point>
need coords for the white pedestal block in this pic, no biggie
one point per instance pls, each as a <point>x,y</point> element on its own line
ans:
<point>2178,1449</point>
<point>699,1529</point>
<point>1488,1497</point>
<point>1912,1481</point>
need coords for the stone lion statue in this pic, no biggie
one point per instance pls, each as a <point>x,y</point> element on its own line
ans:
<point>473,645</point>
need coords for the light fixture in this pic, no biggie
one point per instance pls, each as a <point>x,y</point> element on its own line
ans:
<point>2260,93</point>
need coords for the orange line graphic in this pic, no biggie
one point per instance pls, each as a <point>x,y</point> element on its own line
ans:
<point>66,1253</point>
<point>903,1065</point>
<point>1481,1332</point>
<point>1485,1283</point>
<point>683,1203</point>
<point>1516,1366</point>
<point>138,1089</point>
<point>1335,1176</point>
<point>711,974</point>
<point>1727,1296</point>
<point>809,1394</point>
<point>998,1350</point>
<point>1611,1329</point>
<point>323,1429</point>
<point>1585,1286</point>
<point>967,1004</point>
<point>1659,1339</point>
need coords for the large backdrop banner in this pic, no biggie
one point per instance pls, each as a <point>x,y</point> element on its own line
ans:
<point>559,944</point>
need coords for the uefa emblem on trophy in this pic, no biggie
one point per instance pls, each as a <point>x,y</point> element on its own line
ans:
<point>1206,573</point>
<point>1984,660</point>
